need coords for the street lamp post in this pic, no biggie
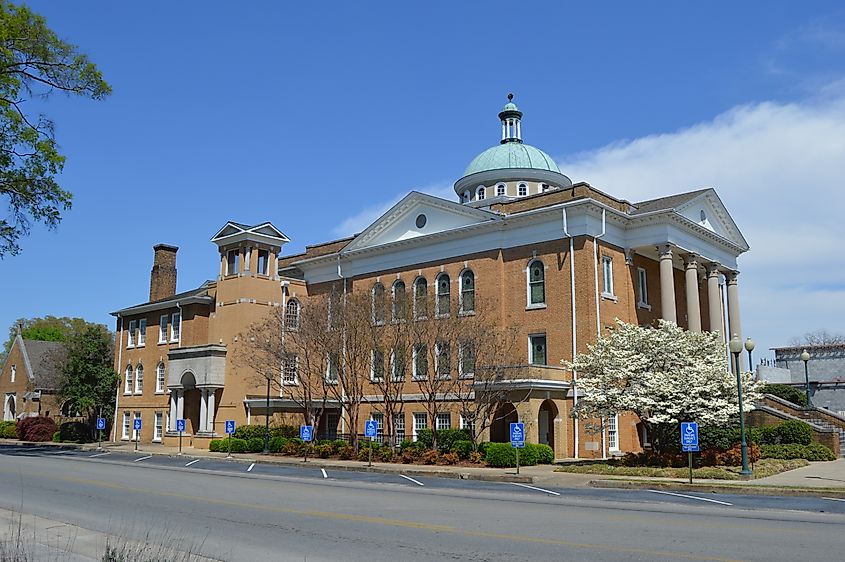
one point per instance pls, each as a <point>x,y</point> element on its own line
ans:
<point>805,357</point>
<point>267,416</point>
<point>735,347</point>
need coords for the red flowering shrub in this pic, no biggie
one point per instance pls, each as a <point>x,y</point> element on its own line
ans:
<point>39,428</point>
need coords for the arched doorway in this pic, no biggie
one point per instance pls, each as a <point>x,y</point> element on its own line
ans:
<point>546,423</point>
<point>9,410</point>
<point>191,402</point>
<point>500,431</point>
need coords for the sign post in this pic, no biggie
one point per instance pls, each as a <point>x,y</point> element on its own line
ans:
<point>101,425</point>
<point>689,442</point>
<point>517,439</point>
<point>306,434</point>
<point>180,427</point>
<point>136,425</point>
<point>230,430</point>
<point>370,430</point>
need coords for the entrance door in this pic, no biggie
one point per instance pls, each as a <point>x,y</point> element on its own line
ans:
<point>543,426</point>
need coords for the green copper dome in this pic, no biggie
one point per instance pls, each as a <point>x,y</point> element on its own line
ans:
<point>511,155</point>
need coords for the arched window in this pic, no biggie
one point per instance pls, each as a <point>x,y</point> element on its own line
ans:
<point>420,298</point>
<point>465,197</point>
<point>500,190</point>
<point>523,189</point>
<point>536,283</point>
<point>443,295</point>
<point>292,315</point>
<point>479,192</point>
<point>400,304</point>
<point>127,380</point>
<point>378,303</point>
<point>139,379</point>
<point>160,377</point>
<point>467,291</point>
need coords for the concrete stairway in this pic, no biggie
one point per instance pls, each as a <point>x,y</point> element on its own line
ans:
<point>818,417</point>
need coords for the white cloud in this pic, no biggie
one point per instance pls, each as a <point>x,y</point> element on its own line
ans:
<point>365,217</point>
<point>780,170</point>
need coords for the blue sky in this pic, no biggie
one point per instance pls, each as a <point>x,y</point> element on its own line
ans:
<point>317,116</point>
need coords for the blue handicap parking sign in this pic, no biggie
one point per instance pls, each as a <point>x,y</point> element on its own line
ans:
<point>230,426</point>
<point>689,436</point>
<point>180,425</point>
<point>518,434</point>
<point>136,425</point>
<point>306,432</point>
<point>101,423</point>
<point>371,428</point>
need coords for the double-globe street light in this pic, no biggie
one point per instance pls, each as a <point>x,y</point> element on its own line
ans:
<point>735,347</point>
<point>806,357</point>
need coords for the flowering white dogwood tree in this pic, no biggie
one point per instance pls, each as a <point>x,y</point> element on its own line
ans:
<point>665,376</point>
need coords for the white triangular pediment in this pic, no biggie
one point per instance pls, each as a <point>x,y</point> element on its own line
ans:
<point>417,215</point>
<point>267,229</point>
<point>228,230</point>
<point>708,211</point>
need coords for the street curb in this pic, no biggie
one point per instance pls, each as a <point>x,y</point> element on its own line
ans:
<point>760,490</point>
<point>456,474</point>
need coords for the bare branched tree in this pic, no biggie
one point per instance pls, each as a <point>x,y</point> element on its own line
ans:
<point>818,337</point>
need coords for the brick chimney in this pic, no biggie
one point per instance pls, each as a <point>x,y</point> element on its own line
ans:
<point>163,275</point>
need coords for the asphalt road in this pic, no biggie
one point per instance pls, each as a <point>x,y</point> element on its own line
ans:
<point>236,511</point>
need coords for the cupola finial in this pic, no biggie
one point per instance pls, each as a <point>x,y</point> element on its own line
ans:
<point>510,97</point>
<point>511,117</point>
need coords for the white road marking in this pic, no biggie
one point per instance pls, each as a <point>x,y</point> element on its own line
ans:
<point>412,480</point>
<point>99,454</point>
<point>250,467</point>
<point>834,499</point>
<point>690,497</point>
<point>143,458</point>
<point>535,488</point>
<point>323,470</point>
<point>192,462</point>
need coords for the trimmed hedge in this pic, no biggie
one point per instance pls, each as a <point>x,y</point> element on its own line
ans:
<point>38,428</point>
<point>811,452</point>
<point>252,431</point>
<point>75,432</point>
<point>788,432</point>
<point>545,454</point>
<point>222,445</point>
<point>788,393</point>
<point>502,455</point>
<point>462,449</point>
<point>7,430</point>
<point>446,438</point>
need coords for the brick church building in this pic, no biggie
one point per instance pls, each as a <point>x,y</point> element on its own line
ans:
<point>560,260</point>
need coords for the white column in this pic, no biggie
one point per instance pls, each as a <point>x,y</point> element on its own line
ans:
<point>171,423</point>
<point>693,304</point>
<point>714,300</point>
<point>180,404</point>
<point>210,415</point>
<point>203,409</point>
<point>667,284</point>
<point>734,324</point>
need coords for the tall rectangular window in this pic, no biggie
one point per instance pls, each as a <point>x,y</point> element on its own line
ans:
<point>126,426</point>
<point>642,287</point>
<point>160,377</point>
<point>263,262</point>
<point>158,426</point>
<point>420,361</point>
<point>127,380</point>
<point>466,359</point>
<point>162,328</point>
<point>332,419</point>
<point>130,335</point>
<point>398,428</point>
<point>465,423</point>
<point>289,369</point>
<point>397,364</point>
<point>443,360</point>
<point>331,368</point>
<point>232,262</point>
<point>607,272</point>
<point>13,373</point>
<point>612,425</point>
<point>142,332</point>
<point>175,326</point>
<point>377,366</point>
<point>139,379</point>
<point>537,349</point>
<point>420,423</point>
<point>444,421</point>
<point>378,417</point>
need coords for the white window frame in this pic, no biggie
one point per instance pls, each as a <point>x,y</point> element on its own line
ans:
<point>142,332</point>
<point>158,426</point>
<point>540,304</point>
<point>439,347</point>
<point>607,277</point>
<point>130,339</point>
<point>419,427</point>
<point>642,288</point>
<point>126,428</point>
<point>161,375</point>
<point>438,312</point>
<point>480,192</point>
<point>397,374</point>
<point>522,189</point>
<point>379,311</point>
<point>378,417</point>
<point>420,314</point>
<point>398,428</point>
<point>290,359</point>
<point>501,190</point>
<point>462,360</point>
<point>440,424</point>
<point>531,339</point>
<point>461,305</point>
<point>612,427</point>
<point>176,327</point>
<point>331,370</point>
<point>128,378</point>
<point>162,328</point>
<point>292,310</point>
<point>139,379</point>
<point>396,306</point>
<point>464,423</point>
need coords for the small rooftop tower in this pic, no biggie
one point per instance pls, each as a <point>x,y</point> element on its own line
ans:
<point>511,118</point>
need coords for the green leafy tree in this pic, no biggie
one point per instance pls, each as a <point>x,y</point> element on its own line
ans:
<point>48,328</point>
<point>88,379</point>
<point>34,63</point>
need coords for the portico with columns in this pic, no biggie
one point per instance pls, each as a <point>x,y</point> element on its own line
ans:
<point>195,380</point>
